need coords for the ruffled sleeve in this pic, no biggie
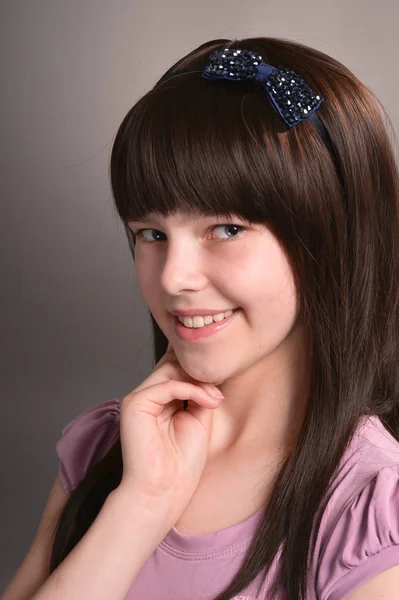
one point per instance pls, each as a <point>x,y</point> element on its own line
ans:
<point>85,440</point>
<point>365,539</point>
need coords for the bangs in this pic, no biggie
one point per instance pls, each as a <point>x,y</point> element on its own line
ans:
<point>199,148</point>
<point>205,148</point>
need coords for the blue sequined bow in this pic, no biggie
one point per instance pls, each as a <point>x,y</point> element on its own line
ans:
<point>289,94</point>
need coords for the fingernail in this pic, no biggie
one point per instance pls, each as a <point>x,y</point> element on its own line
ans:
<point>217,394</point>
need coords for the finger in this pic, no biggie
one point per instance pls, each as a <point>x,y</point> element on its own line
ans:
<point>152,399</point>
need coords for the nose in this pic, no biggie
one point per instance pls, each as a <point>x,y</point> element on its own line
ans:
<point>183,270</point>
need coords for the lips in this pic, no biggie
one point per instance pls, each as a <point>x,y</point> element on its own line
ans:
<point>192,334</point>
<point>208,315</point>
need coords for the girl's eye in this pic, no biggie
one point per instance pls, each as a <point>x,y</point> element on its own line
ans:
<point>140,233</point>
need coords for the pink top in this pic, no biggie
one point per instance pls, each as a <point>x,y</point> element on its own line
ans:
<point>358,535</point>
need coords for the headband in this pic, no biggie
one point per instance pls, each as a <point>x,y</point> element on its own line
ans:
<point>288,92</point>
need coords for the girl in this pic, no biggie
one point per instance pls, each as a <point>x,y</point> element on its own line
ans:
<point>285,224</point>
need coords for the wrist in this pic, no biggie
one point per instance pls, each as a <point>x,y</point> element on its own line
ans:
<point>155,512</point>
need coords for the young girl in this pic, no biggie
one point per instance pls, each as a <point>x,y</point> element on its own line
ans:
<point>256,182</point>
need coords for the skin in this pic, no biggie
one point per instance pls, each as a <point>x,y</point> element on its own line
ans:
<point>260,361</point>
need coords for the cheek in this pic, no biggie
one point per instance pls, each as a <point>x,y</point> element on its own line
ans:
<point>146,282</point>
<point>267,287</point>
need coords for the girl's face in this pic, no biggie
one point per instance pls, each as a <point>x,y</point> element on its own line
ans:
<point>223,264</point>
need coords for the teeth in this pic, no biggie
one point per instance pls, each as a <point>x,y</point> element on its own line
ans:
<point>201,321</point>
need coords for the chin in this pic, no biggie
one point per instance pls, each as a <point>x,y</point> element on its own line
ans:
<point>200,374</point>
<point>212,381</point>
<point>204,378</point>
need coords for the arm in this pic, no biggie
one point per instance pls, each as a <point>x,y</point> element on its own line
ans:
<point>105,562</point>
<point>384,586</point>
<point>34,569</point>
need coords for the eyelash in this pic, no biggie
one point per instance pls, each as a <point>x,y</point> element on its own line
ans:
<point>139,233</point>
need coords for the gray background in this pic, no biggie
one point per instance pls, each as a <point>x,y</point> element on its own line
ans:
<point>73,325</point>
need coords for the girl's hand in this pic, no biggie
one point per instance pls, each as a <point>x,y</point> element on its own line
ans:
<point>164,448</point>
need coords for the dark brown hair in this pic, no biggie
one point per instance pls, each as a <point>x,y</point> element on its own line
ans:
<point>221,149</point>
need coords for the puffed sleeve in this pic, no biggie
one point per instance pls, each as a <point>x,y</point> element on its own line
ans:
<point>85,440</point>
<point>364,540</point>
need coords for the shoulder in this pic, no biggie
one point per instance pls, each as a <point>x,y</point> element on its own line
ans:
<point>86,439</point>
<point>358,535</point>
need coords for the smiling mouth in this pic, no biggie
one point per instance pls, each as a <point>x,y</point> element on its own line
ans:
<point>228,314</point>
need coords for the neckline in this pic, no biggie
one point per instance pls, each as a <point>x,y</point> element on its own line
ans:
<point>216,540</point>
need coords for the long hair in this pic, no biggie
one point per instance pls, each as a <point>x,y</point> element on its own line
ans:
<point>219,148</point>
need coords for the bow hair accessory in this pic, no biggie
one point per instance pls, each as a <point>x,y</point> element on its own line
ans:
<point>289,94</point>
